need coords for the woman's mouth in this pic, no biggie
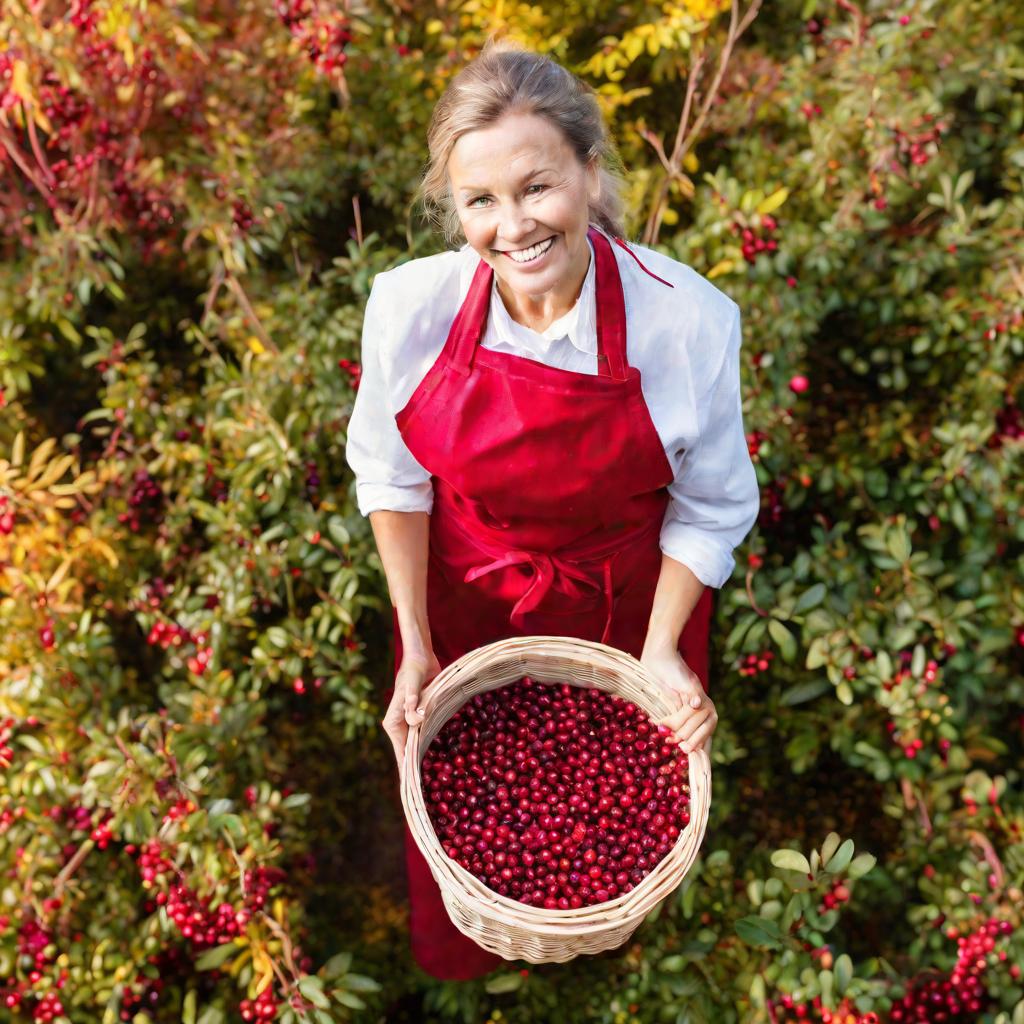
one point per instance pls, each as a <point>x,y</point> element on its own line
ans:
<point>533,254</point>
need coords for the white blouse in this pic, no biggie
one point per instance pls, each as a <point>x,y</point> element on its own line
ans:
<point>685,341</point>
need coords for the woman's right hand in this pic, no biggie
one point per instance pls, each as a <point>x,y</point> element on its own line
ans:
<point>413,676</point>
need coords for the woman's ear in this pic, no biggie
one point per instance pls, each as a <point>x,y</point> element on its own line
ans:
<point>593,181</point>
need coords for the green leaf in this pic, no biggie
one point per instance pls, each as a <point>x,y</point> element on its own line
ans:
<point>313,989</point>
<point>213,958</point>
<point>758,931</point>
<point>843,969</point>
<point>360,983</point>
<point>817,653</point>
<point>504,983</point>
<point>188,1007</point>
<point>758,991</point>
<point>323,1017</point>
<point>783,637</point>
<point>837,863</point>
<point>829,847</point>
<point>862,865</point>
<point>810,598</point>
<point>825,982</point>
<point>673,963</point>
<point>845,693</point>
<point>803,692</point>
<point>791,860</point>
<point>349,999</point>
<point>212,1015</point>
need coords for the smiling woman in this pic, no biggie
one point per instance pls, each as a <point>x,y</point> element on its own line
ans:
<point>548,436</point>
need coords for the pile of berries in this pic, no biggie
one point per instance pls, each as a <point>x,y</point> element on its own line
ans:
<point>960,997</point>
<point>555,796</point>
<point>6,516</point>
<point>263,1007</point>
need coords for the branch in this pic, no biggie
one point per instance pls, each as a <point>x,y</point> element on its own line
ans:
<point>686,134</point>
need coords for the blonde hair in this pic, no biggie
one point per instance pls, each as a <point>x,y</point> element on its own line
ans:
<point>504,78</point>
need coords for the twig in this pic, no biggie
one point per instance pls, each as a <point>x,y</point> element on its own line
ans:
<point>71,867</point>
<point>243,300</point>
<point>750,594</point>
<point>359,221</point>
<point>686,134</point>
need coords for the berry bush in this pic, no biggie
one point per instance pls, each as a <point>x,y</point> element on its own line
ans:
<point>198,810</point>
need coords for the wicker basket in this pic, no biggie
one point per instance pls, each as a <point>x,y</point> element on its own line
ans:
<point>505,926</point>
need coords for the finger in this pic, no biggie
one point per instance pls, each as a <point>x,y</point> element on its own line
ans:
<point>678,719</point>
<point>413,706</point>
<point>689,727</point>
<point>696,741</point>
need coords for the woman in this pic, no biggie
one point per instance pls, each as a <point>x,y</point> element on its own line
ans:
<point>548,436</point>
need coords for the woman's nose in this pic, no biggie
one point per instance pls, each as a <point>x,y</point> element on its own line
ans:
<point>515,225</point>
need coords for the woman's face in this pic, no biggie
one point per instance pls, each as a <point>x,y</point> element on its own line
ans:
<point>517,184</point>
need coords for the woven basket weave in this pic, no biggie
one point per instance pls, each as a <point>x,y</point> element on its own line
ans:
<point>503,925</point>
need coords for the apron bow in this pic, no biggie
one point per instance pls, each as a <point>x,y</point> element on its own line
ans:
<point>549,571</point>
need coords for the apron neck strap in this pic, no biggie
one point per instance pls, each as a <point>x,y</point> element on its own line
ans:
<point>468,326</point>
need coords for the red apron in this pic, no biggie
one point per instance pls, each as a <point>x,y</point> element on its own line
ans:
<point>550,488</point>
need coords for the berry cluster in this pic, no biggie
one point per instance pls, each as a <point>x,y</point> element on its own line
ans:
<point>787,1010</point>
<point>322,32</point>
<point>242,215</point>
<point>204,926</point>
<point>216,489</point>
<point>838,894</point>
<point>960,997</point>
<point>263,1007</point>
<point>754,440</point>
<point>759,239</point>
<point>354,371</point>
<point>773,508</point>
<point>916,149</point>
<point>168,634</point>
<point>1009,427</point>
<point>752,664</point>
<point>312,482</point>
<point>6,734</point>
<point>258,883</point>
<point>555,796</point>
<point>145,502</point>
<point>6,516</point>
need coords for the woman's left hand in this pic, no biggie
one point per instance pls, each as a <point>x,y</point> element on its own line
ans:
<point>694,720</point>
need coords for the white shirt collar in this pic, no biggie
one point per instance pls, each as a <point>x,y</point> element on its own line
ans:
<point>579,324</point>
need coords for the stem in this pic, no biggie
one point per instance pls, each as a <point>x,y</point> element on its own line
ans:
<point>71,867</point>
<point>243,300</point>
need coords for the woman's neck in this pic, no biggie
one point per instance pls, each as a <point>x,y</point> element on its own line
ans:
<point>539,312</point>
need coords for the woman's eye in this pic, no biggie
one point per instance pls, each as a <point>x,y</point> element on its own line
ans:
<point>473,202</point>
<point>536,186</point>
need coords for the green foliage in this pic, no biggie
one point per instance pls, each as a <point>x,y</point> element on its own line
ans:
<point>194,622</point>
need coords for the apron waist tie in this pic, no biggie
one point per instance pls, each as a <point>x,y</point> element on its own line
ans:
<point>547,570</point>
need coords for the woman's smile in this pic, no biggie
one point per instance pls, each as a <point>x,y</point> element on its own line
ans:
<point>532,255</point>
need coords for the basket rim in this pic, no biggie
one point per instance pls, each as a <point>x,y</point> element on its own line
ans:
<point>510,653</point>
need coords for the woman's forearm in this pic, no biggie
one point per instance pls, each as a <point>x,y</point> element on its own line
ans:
<point>675,598</point>
<point>403,542</point>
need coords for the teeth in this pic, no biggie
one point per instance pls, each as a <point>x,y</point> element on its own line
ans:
<point>525,255</point>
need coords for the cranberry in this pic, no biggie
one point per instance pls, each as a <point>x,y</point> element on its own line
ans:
<point>582,812</point>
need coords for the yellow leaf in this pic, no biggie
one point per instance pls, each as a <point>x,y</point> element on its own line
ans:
<point>106,551</point>
<point>18,449</point>
<point>634,46</point>
<point>774,201</point>
<point>59,574</point>
<point>40,455</point>
<point>690,162</point>
<point>670,216</point>
<point>721,267</point>
<point>20,85</point>
<point>434,26</point>
<point>255,345</point>
<point>279,910</point>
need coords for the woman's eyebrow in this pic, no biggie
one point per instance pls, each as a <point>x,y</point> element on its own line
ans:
<point>525,177</point>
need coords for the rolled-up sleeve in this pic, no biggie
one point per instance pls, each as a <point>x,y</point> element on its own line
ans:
<point>387,474</point>
<point>714,499</point>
